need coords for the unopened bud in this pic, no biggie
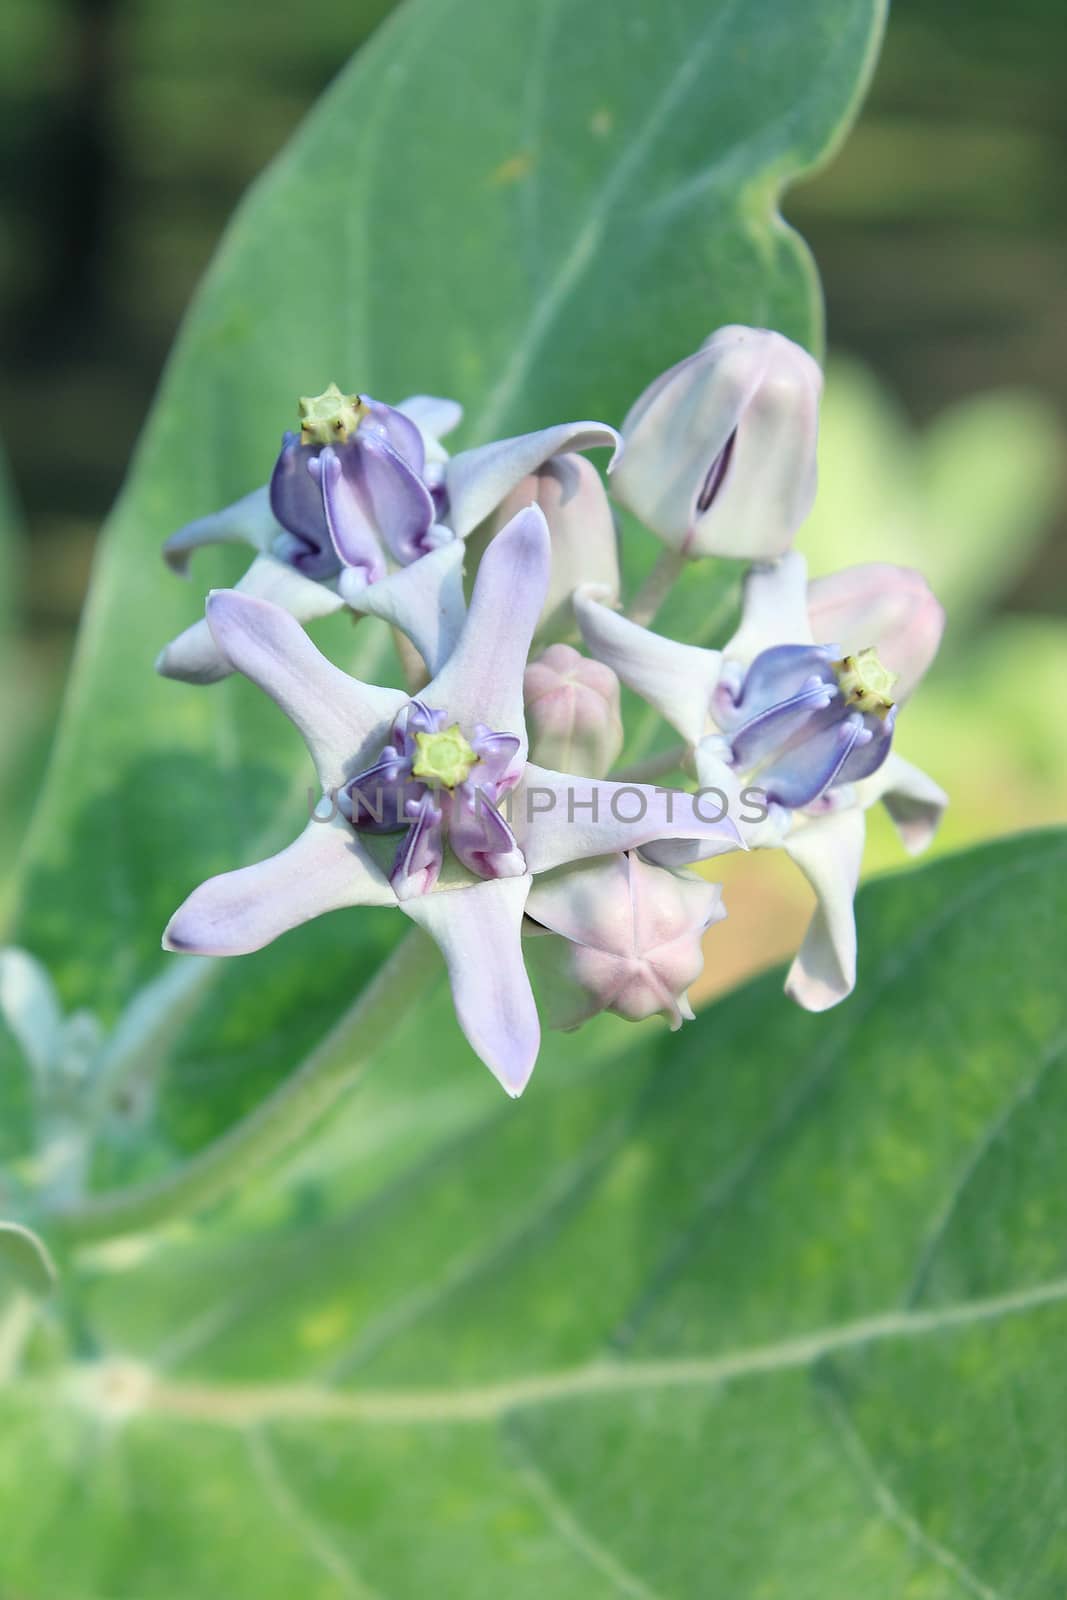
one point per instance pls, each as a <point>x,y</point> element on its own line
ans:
<point>627,938</point>
<point>719,452</point>
<point>572,711</point>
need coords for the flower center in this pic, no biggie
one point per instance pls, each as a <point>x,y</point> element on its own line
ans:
<point>443,757</point>
<point>330,417</point>
<point>865,683</point>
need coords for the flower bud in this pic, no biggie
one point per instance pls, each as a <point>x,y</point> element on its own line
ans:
<point>875,605</point>
<point>572,711</point>
<point>627,939</point>
<point>719,452</point>
<point>582,530</point>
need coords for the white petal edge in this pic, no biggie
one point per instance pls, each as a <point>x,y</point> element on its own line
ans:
<point>774,609</point>
<point>677,680</point>
<point>914,801</point>
<point>343,722</point>
<point>555,820</point>
<point>425,601</point>
<point>482,679</point>
<point>713,777</point>
<point>478,930</point>
<point>249,520</point>
<point>325,869</point>
<point>194,656</point>
<point>478,480</point>
<point>828,851</point>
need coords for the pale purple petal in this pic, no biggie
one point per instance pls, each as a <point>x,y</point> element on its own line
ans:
<point>676,679</point>
<point>868,755</point>
<point>344,722</point>
<point>822,753</point>
<point>377,799</point>
<point>401,432</point>
<point>769,733</point>
<point>482,680</point>
<point>295,497</point>
<point>396,504</point>
<point>774,610</point>
<point>479,932</point>
<point>557,817</point>
<point>480,837</point>
<point>828,851</point>
<point>194,656</point>
<point>425,601</point>
<point>496,754</point>
<point>249,520</point>
<point>323,870</point>
<point>777,678</point>
<point>478,480</point>
<point>914,801</point>
<point>420,854</point>
<point>353,535</point>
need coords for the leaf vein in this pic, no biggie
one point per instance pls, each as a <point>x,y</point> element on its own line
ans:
<point>888,1503</point>
<point>319,1542</point>
<point>244,1405</point>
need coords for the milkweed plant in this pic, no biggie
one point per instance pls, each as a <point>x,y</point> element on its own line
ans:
<point>481,803</point>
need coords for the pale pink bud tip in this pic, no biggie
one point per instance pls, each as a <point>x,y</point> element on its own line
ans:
<point>875,605</point>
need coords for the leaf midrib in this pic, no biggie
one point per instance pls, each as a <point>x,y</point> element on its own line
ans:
<point>246,1405</point>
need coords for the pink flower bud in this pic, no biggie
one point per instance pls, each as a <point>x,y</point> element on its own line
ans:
<point>582,530</point>
<point>719,452</point>
<point>572,712</point>
<point>891,609</point>
<point>628,940</point>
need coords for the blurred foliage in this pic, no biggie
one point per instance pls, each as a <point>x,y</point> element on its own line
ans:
<point>30,687</point>
<point>968,499</point>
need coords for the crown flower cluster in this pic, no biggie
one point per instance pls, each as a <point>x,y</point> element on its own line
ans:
<point>483,801</point>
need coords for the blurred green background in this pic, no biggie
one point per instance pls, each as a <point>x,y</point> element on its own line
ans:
<point>132,127</point>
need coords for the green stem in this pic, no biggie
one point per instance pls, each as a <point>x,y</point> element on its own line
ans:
<point>275,1124</point>
<point>656,587</point>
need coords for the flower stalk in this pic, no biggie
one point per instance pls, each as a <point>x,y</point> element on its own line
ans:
<point>275,1125</point>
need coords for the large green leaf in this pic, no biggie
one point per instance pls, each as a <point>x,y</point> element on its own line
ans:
<point>534,208</point>
<point>772,1307</point>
